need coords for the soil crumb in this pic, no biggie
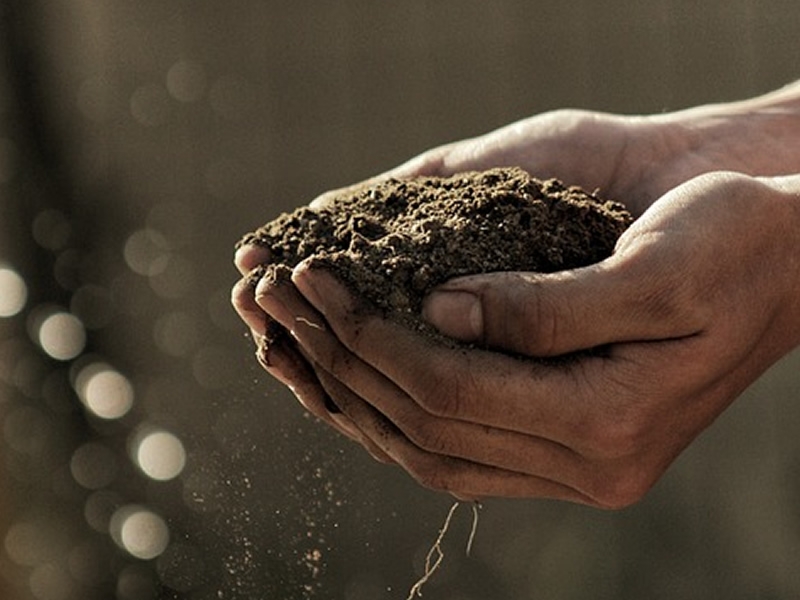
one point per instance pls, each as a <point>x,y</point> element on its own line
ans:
<point>394,241</point>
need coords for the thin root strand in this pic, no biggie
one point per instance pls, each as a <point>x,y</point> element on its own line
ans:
<point>305,321</point>
<point>435,555</point>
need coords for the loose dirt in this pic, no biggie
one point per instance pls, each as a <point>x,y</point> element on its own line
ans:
<point>394,241</point>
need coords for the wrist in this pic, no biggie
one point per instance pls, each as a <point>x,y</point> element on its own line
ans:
<point>759,136</point>
<point>787,212</point>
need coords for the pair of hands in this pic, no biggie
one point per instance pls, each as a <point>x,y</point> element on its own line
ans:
<point>698,299</point>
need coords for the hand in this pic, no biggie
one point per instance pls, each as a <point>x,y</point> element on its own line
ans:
<point>635,159</point>
<point>684,331</point>
<point>581,147</point>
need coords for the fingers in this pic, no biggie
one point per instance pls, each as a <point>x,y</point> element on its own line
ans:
<point>250,256</point>
<point>283,361</point>
<point>438,434</point>
<point>468,421</point>
<point>504,449</point>
<point>549,402</point>
<point>245,305</point>
<point>277,353</point>
<point>428,445</point>
<point>462,478</point>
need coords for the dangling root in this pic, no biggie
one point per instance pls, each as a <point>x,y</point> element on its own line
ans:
<point>436,555</point>
<point>475,507</point>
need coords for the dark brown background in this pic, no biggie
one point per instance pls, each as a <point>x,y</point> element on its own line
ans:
<point>283,100</point>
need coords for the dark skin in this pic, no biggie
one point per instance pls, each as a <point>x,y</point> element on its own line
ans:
<point>696,302</point>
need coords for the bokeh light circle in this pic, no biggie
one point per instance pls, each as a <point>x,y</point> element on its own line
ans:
<point>139,531</point>
<point>61,335</point>
<point>107,393</point>
<point>186,81</point>
<point>51,582</point>
<point>176,333</point>
<point>99,509</point>
<point>51,229</point>
<point>94,465</point>
<point>160,455</point>
<point>175,280</point>
<point>146,252</point>
<point>13,292</point>
<point>35,541</point>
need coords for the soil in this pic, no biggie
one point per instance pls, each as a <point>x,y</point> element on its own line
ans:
<point>394,241</point>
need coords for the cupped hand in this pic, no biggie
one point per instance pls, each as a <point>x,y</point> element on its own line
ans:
<point>658,353</point>
<point>697,301</point>
<point>631,158</point>
<point>581,147</point>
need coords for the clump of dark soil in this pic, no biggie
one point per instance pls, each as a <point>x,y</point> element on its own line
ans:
<point>393,242</point>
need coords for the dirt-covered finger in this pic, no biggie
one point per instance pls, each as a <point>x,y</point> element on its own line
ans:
<point>343,418</point>
<point>456,476</point>
<point>549,400</point>
<point>244,302</point>
<point>285,362</point>
<point>248,256</point>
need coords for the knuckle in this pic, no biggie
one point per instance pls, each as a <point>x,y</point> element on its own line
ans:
<point>544,320</point>
<point>619,440</point>
<point>432,437</point>
<point>673,300</point>
<point>622,489</point>
<point>666,295</point>
<point>430,473</point>
<point>442,396</point>
<point>615,438</point>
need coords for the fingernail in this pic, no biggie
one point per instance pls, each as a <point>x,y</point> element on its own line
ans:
<point>272,305</point>
<point>455,313</point>
<point>248,256</point>
<point>263,355</point>
<point>304,280</point>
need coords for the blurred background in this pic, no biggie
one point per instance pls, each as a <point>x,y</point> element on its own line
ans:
<point>145,456</point>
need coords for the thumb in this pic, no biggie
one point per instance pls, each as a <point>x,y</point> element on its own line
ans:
<point>557,313</point>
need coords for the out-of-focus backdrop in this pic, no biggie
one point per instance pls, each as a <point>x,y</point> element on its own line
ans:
<point>144,454</point>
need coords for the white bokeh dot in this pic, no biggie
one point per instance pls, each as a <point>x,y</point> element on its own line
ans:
<point>160,455</point>
<point>139,531</point>
<point>106,392</point>
<point>61,335</point>
<point>13,292</point>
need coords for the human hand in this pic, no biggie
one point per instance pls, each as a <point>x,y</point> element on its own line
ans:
<point>683,332</point>
<point>631,158</point>
<point>579,146</point>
